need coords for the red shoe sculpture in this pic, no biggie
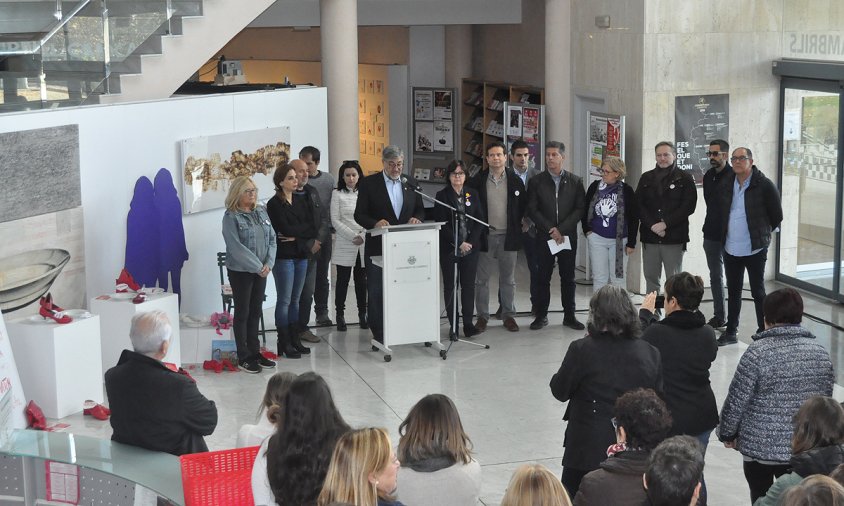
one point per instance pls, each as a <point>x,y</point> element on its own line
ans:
<point>50,310</point>
<point>35,417</point>
<point>126,279</point>
<point>213,365</point>
<point>98,411</point>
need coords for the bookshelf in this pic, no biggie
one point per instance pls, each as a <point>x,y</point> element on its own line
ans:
<point>482,115</point>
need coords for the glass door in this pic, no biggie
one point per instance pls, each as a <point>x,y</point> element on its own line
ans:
<point>810,240</point>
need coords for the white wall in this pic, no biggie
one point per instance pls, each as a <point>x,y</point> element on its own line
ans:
<point>120,143</point>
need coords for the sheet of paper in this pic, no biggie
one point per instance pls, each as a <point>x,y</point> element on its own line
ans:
<point>556,248</point>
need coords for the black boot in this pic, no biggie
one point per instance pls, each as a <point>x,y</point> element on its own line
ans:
<point>296,342</point>
<point>284,345</point>
<point>362,319</point>
<point>341,321</point>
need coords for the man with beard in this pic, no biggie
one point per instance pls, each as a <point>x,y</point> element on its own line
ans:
<point>718,153</point>
<point>667,197</point>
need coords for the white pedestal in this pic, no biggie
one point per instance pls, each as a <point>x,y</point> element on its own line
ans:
<point>116,318</point>
<point>59,365</point>
<point>196,343</point>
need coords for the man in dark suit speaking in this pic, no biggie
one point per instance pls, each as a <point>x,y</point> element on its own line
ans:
<point>385,198</point>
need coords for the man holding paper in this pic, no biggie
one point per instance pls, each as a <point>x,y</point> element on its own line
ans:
<point>556,200</point>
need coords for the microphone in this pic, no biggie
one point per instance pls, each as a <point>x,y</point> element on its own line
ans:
<point>404,182</point>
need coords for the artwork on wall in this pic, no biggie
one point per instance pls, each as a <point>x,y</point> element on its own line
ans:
<point>40,207</point>
<point>210,163</point>
<point>45,178</point>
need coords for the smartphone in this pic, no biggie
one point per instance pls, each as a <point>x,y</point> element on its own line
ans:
<point>660,302</point>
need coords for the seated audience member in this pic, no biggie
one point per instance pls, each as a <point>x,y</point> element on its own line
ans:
<point>816,490</point>
<point>816,448</point>
<point>688,347</point>
<point>152,406</point>
<point>675,469</point>
<point>298,453</point>
<point>641,422</point>
<point>535,484</point>
<point>252,435</point>
<point>777,373</point>
<point>437,464</point>
<point>596,370</point>
<point>363,470</point>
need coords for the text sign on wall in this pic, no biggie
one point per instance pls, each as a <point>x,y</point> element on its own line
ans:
<point>699,119</point>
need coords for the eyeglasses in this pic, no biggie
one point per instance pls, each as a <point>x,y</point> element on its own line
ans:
<point>460,174</point>
<point>735,159</point>
<point>713,153</point>
<point>251,191</point>
<point>395,165</point>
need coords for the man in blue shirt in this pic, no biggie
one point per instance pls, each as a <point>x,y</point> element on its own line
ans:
<point>751,211</point>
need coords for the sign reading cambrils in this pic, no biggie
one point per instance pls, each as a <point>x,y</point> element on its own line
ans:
<point>698,120</point>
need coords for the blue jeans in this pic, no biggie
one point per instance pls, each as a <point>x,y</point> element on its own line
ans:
<point>602,254</point>
<point>703,437</point>
<point>715,261</point>
<point>289,275</point>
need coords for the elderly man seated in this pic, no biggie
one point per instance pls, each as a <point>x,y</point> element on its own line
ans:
<point>152,406</point>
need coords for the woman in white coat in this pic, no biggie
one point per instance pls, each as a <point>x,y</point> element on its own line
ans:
<point>348,243</point>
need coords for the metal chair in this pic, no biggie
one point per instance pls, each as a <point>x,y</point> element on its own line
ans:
<point>228,299</point>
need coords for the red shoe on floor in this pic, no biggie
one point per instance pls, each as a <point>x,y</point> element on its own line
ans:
<point>213,365</point>
<point>128,280</point>
<point>227,364</point>
<point>96,410</point>
<point>35,417</point>
<point>268,354</point>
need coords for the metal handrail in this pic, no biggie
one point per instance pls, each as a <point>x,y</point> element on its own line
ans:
<point>82,4</point>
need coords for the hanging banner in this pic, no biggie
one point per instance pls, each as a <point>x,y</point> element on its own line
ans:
<point>699,119</point>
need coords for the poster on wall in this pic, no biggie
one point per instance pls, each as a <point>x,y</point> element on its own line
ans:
<point>209,164</point>
<point>530,125</point>
<point>443,136</point>
<point>423,105</point>
<point>514,122</point>
<point>698,119</point>
<point>424,137</point>
<point>606,138</point>
<point>433,125</point>
<point>442,104</point>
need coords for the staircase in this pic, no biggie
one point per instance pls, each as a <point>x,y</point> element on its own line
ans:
<point>58,54</point>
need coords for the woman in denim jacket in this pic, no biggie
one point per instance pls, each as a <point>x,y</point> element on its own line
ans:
<point>250,255</point>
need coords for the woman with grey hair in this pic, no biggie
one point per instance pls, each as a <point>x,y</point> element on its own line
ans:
<point>609,361</point>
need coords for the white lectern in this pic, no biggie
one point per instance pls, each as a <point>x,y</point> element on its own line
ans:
<point>411,285</point>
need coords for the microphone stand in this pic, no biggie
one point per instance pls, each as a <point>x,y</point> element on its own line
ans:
<point>453,335</point>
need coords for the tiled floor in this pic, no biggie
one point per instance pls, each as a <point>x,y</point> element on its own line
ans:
<point>502,393</point>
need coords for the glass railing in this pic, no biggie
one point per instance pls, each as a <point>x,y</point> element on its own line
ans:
<point>68,53</point>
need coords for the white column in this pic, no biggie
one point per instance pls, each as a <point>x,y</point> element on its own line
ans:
<point>339,39</point>
<point>558,109</point>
